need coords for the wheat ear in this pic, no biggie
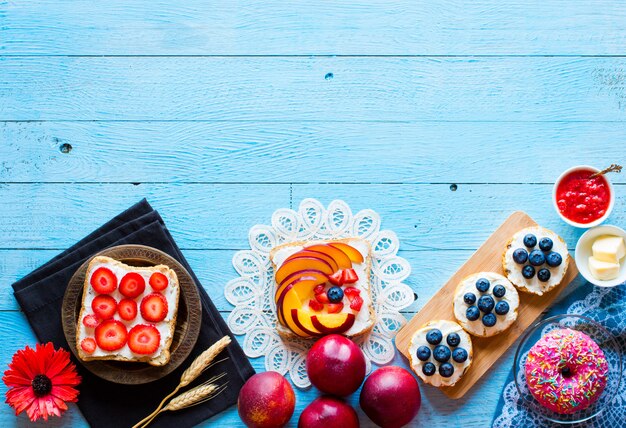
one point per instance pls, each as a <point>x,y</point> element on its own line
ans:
<point>200,364</point>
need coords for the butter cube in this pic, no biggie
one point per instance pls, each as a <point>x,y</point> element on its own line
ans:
<point>609,248</point>
<point>602,270</point>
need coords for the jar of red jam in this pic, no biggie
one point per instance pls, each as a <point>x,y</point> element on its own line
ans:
<point>583,201</point>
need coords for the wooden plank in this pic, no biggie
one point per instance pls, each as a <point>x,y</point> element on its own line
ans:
<point>218,216</point>
<point>323,27</point>
<point>487,350</point>
<point>428,152</point>
<point>471,410</point>
<point>295,89</point>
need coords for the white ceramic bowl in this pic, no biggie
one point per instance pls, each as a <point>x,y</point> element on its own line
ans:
<point>583,252</point>
<point>572,222</point>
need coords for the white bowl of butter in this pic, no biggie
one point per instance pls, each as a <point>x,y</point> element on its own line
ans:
<point>601,256</point>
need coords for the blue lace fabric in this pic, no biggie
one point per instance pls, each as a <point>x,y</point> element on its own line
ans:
<point>607,306</point>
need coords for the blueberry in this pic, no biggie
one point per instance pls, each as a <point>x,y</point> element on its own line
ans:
<point>543,275</point>
<point>499,291</point>
<point>482,285</point>
<point>459,355</point>
<point>528,272</point>
<point>429,369</point>
<point>486,304</point>
<point>423,353</point>
<point>554,259</point>
<point>469,298</point>
<point>335,294</point>
<point>453,339</point>
<point>472,313</point>
<point>530,240</point>
<point>520,256</point>
<point>545,244</point>
<point>441,353</point>
<point>434,337</point>
<point>502,308</point>
<point>446,370</point>
<point>536,258</point>
<point>489,320</point>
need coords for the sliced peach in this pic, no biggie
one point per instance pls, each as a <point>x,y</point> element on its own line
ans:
<point>354,254</point>
<point>301,289</point>
<point>333,323</point>
<point>291,300</point>
<point>304,322</point>
<point>302,263</point>
<point>316,276</point>
<point>302,273</point>
<point>316,255</point>
<point>342,259</point>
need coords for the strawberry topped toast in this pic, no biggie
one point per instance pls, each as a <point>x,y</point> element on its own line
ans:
<point>128,313</point>
<point>322,287</point>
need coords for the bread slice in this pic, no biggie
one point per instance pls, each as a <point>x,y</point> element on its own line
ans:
<point>166,327</point>
<point>366,316</point>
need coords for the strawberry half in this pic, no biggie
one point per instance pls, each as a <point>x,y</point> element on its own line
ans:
<point>318,289</point>
<point>158,281</point>
<point>91,321</point>
<point>144,339</point>
<point>103,280</point>
<point>315,305</point>
<point>104,306</point>
<point>127,308</point>
<point>322,297</point>
<point>333,308</point>
<point>88,345</point>
<point>336,278</point>
<point>111,335</point>
<point>132,285</point>
<point>356,302</point>
<point>154,307</point>
<point>349,276</point>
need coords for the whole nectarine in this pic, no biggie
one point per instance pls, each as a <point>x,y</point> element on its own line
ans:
<point>266,400</point>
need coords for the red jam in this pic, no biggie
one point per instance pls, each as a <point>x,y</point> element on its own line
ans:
<point>583,199</point>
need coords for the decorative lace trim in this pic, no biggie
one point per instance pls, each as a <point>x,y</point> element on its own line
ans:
<point>252,292</point>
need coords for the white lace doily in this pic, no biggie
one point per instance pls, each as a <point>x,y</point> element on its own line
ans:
<point>252,292</point>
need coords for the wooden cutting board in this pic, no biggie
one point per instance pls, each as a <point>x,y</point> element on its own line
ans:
<point>486,350</point>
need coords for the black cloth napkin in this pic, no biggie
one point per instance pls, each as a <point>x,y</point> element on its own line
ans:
<point>105,404</point>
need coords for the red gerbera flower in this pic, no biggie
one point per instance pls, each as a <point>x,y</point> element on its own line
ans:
<point>40,381</point>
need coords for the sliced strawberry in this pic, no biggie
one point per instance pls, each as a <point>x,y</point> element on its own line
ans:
<point>154,307</point>
<point>158,281</point>
<point>88,345</point>
<point>336,278</point>
<point>315,305</point>
<point>111,335</point>
<point>132,285</point>
<point>322,298</point>
<point>356,302</point>
<point>333,308</point>
<point>103,281</point>
<point>144,339</point>
<point>91,321</point>
<point>104,306</point>
<point>350,292</point>
<point>127,308</point>
<point>349,276</point>
<point>318,289</point>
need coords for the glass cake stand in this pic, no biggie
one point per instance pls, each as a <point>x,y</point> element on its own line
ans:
<point>595,331</point>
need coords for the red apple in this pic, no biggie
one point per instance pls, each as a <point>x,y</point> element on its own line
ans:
<point>390,397</point>
<point>266,400</point>
<point>328,412</point>
<point>336,365</point>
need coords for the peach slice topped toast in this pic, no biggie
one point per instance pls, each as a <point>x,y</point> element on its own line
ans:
<point>322,287</point>
<point>128,313</point>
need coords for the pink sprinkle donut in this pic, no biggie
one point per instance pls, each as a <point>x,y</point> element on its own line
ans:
<point>566,371</point>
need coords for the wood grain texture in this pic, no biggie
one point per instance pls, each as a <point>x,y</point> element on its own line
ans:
<point>270,152</point>
<point>295,89</point>
<point>398,27</point>
<point>486,350</point>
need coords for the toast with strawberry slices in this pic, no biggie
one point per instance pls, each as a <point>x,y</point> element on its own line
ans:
<point>128,313</point>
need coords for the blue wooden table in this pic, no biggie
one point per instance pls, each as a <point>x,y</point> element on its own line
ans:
<point>444,116</point>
